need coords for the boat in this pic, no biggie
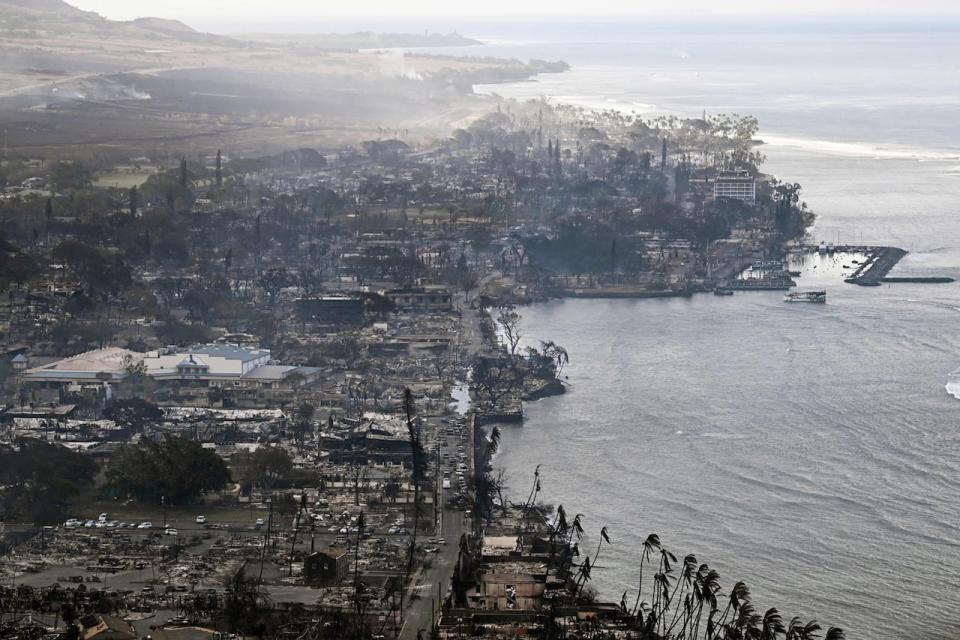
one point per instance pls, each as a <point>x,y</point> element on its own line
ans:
<point>806,296</point>
<point>767,265</point>
<point>722,291</point>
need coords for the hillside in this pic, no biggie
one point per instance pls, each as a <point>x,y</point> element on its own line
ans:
<point>74,83</point>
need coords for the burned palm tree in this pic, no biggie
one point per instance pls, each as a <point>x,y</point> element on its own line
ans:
<point>603,538</point>
<point>772,625</point>
<point>652,542</point>
<point>534,490</point>
<point>558,529</point>
<point>661,586</point>
<point>739,595</point>
<point>359,589</point>
<point>493,442</point>
<point>685,582</point>
<point>583,576</point>
<point>419,463</point>
<point>576,529</point>
<point>705,589</point>
<point>797,630</point>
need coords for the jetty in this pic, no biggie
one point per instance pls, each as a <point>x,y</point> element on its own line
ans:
<point>872,271</point>
<point>879,262</point>
<point>920,279</point>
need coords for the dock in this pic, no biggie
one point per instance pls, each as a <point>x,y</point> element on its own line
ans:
<point>761,284</point>
<point>879,262</point>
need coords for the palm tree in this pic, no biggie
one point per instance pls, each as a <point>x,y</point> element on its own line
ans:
<point>772,625</point>
<point>358,586</point>
<point>685,581</point>
<point>709,586</point>
<point>652,542</point>
<point>835,633</point>
<point>583,575</point>
<point>534,490</point>
<point>603,538</point>
<point>738,595</point>
<point>558,527</point>
<point>493,443</point>
<point>576,528</point>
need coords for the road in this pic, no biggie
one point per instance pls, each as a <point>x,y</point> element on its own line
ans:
<point>433,582</point>
<point>454,524</point>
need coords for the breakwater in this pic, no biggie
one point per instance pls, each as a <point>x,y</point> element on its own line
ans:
<point>879,262</point>
<point>922,280</point>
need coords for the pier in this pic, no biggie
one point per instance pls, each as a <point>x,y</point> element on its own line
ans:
<point>875,268</point>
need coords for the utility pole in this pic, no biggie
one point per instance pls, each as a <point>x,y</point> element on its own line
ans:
<point>266,541</point>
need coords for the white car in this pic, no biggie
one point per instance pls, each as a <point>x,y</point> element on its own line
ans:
<point>145,525</point>
<point>201,519</point>
<point>169,531</point>
<point>259,522</point>
<point>72,523</point>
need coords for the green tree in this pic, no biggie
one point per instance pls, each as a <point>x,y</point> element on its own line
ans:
<point>264,468</point>
<point>133,413</point>
<point>38,479</point>
<point>70,176</point>
<point>174,468</point>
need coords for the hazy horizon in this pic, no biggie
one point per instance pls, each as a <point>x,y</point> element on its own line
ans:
<point>210,12</point>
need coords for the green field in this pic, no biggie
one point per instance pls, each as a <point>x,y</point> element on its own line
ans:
<point>122,179</point>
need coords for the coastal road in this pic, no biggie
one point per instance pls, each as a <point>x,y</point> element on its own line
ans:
<point>433,582</point>
<point>438,575</point>
<point>453,523</point>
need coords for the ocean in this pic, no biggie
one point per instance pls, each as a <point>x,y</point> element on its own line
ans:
<point>810,451</point>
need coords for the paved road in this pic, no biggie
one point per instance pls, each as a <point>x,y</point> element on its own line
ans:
<point>433,582</point>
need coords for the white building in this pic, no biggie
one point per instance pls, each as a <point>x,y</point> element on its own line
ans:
<point>736,186</point>
<point>214,365</point>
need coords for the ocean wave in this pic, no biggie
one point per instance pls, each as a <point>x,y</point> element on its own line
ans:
<point>862,149</point>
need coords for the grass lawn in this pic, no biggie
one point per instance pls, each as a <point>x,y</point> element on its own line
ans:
<point>122,180</point>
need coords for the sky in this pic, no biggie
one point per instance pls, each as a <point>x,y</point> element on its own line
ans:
<point>186,9</point>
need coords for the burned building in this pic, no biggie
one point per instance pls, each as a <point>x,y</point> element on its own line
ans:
<point>326,568</point>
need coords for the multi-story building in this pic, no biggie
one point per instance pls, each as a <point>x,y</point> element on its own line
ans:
<point>736,186</point>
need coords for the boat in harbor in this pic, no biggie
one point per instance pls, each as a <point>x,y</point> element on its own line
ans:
<point>806,296</point>
<point>768,265</point>
<point>722,291</point>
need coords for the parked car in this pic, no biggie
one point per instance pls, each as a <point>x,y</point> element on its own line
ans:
<point>170,531</point>
<point>201,519</point>
<point>145,525</point>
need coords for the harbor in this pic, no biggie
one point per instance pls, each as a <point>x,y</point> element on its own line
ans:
<point>876,264</point>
